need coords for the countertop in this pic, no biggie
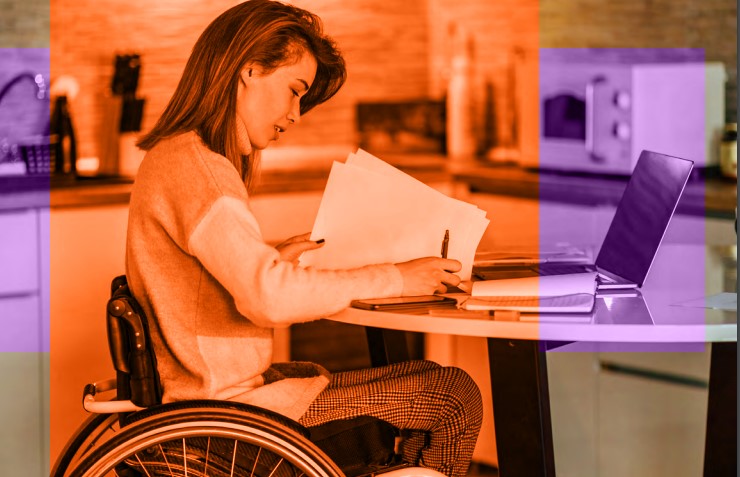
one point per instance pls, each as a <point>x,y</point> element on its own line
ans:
<point>710,196</point>
<point>704,196</point>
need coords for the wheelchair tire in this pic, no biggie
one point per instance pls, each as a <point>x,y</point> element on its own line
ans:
<point>85,439</point>
<point>207,441</point>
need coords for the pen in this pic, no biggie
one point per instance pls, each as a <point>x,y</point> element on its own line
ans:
<point>445,243</point>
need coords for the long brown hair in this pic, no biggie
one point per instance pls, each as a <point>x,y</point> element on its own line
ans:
<point>265,32</point>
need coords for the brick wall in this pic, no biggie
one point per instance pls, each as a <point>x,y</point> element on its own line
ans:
<point>24,24</point>
<point>394,50</point>
<point>385,45</point>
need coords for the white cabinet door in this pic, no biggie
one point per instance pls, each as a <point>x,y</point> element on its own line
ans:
<point>19,248</point>
<point>22,425</point>
<point>87,250</point>
<point>285,215</point>
<point>612,424</point>
<point>45,304</point>
<point>650,428</point>
<point>20,324</point>
<point>22,346</point>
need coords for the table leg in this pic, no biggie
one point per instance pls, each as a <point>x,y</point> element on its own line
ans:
<point>386,346</point>
<point>720,450</point>
<point>521,405</point>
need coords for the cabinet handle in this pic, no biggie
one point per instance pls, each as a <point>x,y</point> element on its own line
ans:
<point>654,375</point>
<point>590,118</point>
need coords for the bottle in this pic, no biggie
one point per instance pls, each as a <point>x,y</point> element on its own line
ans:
<point>728,151</point>
<point>461,140</point>
<point>62,132</point>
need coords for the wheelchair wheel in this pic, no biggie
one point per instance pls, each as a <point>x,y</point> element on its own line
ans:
<point>95,430</point>
<point>207,441</point>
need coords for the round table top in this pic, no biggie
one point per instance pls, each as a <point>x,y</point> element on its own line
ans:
<point>671,307</point>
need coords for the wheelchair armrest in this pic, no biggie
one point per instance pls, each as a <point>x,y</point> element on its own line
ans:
<point>105,407</point>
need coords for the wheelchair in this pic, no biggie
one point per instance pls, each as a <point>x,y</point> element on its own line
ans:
<point>135,435</point>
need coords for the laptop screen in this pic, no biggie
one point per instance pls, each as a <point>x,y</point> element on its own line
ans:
<point>643,214</point>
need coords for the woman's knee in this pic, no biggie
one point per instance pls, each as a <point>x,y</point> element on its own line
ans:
<point>464,388</point>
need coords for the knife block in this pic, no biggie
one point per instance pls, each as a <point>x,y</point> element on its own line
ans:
<point>119,155</point>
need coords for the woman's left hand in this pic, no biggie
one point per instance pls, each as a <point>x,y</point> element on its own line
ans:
<point>291,249</point>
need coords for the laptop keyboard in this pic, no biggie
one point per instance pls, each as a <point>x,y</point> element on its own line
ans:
<point>563,269</point>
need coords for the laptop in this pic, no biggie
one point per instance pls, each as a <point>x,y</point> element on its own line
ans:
<point>635,233</point>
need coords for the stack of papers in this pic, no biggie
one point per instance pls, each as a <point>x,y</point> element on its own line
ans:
<point>573,293</point>
<point>372,212</point>
<point>509,256</point>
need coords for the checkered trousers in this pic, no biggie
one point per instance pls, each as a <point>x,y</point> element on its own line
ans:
<point>439,406</point>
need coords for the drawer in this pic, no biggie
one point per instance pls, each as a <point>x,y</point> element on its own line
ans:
<point>20,325</point>
<point>649,428</point>
<point>19,251</point>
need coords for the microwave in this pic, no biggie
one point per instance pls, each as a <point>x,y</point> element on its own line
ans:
<point>597,118</point>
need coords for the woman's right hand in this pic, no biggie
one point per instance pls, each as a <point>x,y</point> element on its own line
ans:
<point>424,276</point>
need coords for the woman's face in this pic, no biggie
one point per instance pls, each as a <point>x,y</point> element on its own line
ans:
<point>269,103</point>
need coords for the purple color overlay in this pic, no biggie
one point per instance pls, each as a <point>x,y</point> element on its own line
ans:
<point>566,129</point>
<point>24,231</point>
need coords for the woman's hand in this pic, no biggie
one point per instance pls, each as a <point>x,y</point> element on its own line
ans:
<point>291,249</point>
<point>424,276</point>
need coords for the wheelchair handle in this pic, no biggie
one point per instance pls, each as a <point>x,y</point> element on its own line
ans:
<point>119,309</point>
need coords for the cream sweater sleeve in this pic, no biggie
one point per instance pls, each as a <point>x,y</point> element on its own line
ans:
<point>271,292</point>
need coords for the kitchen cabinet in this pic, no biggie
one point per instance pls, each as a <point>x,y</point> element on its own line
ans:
<point>22,450</point>
<point>611,424</point>
<point>23,348</point>
<point>86,252</point>
<point>19,252</point>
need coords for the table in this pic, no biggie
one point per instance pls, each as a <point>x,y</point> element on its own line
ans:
<point>659,314</point>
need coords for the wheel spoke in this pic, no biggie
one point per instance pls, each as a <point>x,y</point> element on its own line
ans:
<point>208,453</point>
<point>276,466</point>
<point>233,458</point>
<point>256,460</point>
<point>184,457</point>
<point>142,465</point>
<point>208,448</point>
<point>164,456</point>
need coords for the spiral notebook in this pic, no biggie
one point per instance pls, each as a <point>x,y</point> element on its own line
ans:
<point>572,293</point>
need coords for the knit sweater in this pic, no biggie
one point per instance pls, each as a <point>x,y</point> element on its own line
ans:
<point>214,291</point>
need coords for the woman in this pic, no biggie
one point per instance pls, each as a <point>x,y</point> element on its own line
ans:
<point>196,260</point>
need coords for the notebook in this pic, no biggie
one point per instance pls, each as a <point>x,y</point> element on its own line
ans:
<point>573,293</point>
<point>635,233</point>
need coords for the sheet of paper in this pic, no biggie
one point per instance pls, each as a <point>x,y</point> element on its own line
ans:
<point>547,286</point>
<point>367,161</point>
<point>372,212</point>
